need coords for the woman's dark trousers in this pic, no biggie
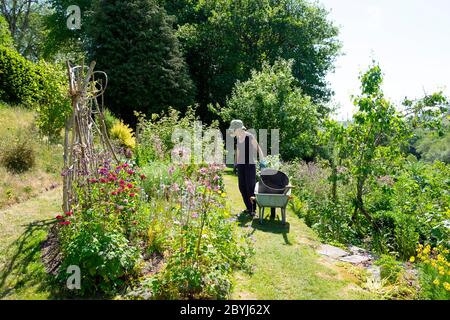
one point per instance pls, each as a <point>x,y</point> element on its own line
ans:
<point>247,182</point>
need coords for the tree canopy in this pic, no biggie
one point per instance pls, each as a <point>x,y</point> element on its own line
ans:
<point>135,44</point>
<point>273,99</point>
<point>224,40</point>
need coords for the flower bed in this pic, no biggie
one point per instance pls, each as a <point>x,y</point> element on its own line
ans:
<point>138,234</point>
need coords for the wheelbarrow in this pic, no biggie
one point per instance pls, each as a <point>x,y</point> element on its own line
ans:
<point>272,191</point>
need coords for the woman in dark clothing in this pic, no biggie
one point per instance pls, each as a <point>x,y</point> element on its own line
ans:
<point>246,149</point>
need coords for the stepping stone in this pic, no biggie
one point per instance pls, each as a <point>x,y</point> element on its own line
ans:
<point>331,251</point>
<point>357,250</point>
<point>355,259</point>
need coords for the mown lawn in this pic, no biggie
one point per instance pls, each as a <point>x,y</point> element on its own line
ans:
<point>23,228</point>
<point>286,265</point>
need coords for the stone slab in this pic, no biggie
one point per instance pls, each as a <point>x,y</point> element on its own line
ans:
<point>331,251</point>
<point>355,259</point>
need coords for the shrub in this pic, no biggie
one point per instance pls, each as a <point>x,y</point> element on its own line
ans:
<point>391,269</point>
<point>19,82</point>
<point>6,39</point>
<point>53,104</point>
<point>106,259</point>
<point>434,266</point>
<point>124,134</point>
<point>19,156</point>
<point>110,119</point>
<point>272,99</point>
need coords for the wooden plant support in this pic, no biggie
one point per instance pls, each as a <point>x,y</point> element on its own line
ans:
<point>80,158</point>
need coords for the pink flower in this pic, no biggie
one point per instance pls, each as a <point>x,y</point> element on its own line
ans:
<point>130,172</point>
<point>203,171</point>
<point>125,165</point>
<point>130,186</point>
<point>194,215</point>
<point>216,177</point>
<point>175,187</point>
<point>190,186</point>
<point>171,170</point>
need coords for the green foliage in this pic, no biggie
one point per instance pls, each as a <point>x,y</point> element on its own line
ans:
<point>373,142</point>
<point>156,134</point>
<point>6,39</point>
<point>60,40</point>
<point>225,40</point>
<point>143,61</point>
<point>42,86</point>
<point>105,258</point>
<point>101,236</point>
<point>18,79</point>
<point>53,104</point>
<point>367,192</point>
<point>391,269</point>
<point>188,275</point>
<point>110,119</point>
<point>272,99</point>
<point>433,147</point>
<point>159,177</point>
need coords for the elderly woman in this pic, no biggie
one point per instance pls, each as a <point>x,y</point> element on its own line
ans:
<point>247,148</point>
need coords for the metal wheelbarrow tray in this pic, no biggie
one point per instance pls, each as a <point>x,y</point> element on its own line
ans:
<point>266,200</point>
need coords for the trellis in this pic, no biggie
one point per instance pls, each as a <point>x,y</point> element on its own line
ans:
<point>86,88</point>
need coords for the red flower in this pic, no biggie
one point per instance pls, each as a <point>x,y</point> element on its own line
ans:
<point>64,223</point>
<point>130,186</point>
<point>143,176</point>
<point>122,182</point>
<point>114,193</point>
<point>59,217</point>
<point>130,172</point>
<point>69,213</point>
<point>103,180</point>
<point>132,195</point>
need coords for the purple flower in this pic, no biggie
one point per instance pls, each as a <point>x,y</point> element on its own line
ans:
<point>175,187</point>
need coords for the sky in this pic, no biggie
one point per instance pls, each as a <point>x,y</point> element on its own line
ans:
<point>410,39</point>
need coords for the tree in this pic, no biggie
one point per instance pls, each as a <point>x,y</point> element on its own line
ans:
<point>17,14</point>
<point>26,23</point>
<point>135,44</point>
<point>225,39</point>
<point>273,99</point>
<point>61,39</point>
<point>376,138</point>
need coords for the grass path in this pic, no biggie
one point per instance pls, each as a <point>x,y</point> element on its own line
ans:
<point>286,263</point>
<point>23,227</point>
